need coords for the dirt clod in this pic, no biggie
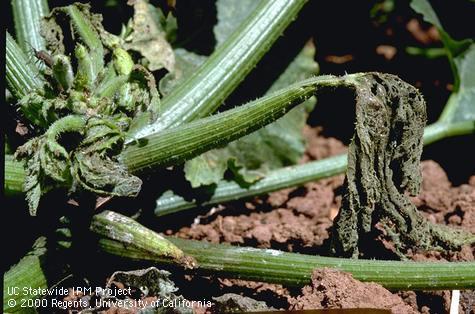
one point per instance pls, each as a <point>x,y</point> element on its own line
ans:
<point>332,289</point>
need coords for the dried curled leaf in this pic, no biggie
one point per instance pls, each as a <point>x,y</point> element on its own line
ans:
<point>99,104</point>
<point>94,166</point>
<point>149,37</point>
<point>48,162</point>
<point>148,283</point>
<point>383,164</point>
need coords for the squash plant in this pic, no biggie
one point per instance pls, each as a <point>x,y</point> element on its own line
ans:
<point>99,89</point>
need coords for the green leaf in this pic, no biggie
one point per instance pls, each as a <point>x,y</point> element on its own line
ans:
<point>455,48</point>
<point>461,54</point>
<point>204,91</point>
<point>207,168</point>
<point>278,144</point>
<point>231,13</point>
<point>461,104</point>
<point>149,36</point>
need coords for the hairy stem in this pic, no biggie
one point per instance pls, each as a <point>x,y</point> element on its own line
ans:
<point>295,175</point>
<point>23,76</point>
<point>28,273</point>
<point>14,176</point>
<point>130,234</point>
<point>89,36</point>
<point>278,179</point>
<point>27,15</point>
<point>295,269</point>
<point>275,180</point>
<point>175,145</point>
<point>440,130</point>
<point>202,93</point>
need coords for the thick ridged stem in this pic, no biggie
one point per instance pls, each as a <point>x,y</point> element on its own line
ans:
<point>129,233</point>
<point>14,176</point>
<point>275,180</point>
<point>22,75</point>
<point>295,269</point>
<point>27,274</point>
<point>440,130</point>
<point>27,15</point>
<point>175,145</point>
<point>202,93</point>
<point>89,36</point>
<point>296,175</point>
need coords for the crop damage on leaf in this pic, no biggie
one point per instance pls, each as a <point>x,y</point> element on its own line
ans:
<point>383,163</point>
<point>122,160</point>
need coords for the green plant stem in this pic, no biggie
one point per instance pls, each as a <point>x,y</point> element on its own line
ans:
<point>202,93</point>
<point>278,179</point>
<point>429,53</point>
<point>175,145</point>
<point>14,176</point>
<point>22,76</point>
<point>295,269</point>
<point>296,175</point>
<point>131,234</point>
<point>27,15</point>
<point>88,35</point>
<point>275,180</point>
<point>28,273</point>
<point>440,130</point>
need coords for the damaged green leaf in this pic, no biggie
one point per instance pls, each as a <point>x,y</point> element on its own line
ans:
<point>94,168</point>
<point>149,36</point>
<point>84,23</point>
<point>97,105</point>
<point>48,163</point>
<point>383,164</point>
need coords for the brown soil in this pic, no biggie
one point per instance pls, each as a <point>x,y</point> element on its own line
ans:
<point>298,219</point>
<point>332,289</point>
